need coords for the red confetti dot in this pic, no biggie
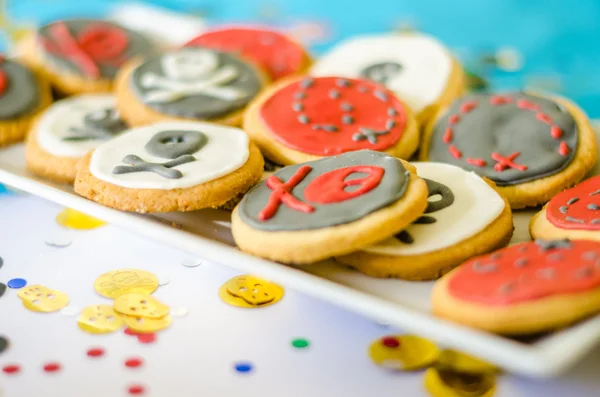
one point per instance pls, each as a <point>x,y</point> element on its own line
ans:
<point>130,332</point>
<point>134,362</point>
<point>136,390</point>
<point>147,338</point>
<point>11,369</point>
<point>95,352</point>
<point>52,367</point>
<point>390,341</point>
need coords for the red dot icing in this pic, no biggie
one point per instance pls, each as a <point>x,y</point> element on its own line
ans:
<point>527,272</point>
<point>325,103</point>
<point>569,209</point>
<point>273,51</point>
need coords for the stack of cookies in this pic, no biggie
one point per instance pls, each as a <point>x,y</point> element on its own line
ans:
<point>148,130</point>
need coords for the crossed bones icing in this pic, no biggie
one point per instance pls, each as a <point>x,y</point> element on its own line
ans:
<point>511,138</point>
<point>90,48</point>
<point>171,155</point>
<point>19,90</point>
<point>73,126</point>
<point>196,83</point>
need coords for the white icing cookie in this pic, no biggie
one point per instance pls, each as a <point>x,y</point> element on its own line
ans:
<point>476,205</point>
<point>212,152</point>
<point>73,126</point>
<point>415,66</point>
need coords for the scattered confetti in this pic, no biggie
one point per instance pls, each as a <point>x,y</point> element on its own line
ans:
<point>140,305</point>
<point>191,262</point>
<point>460,362</point>
<point>133,362</point>
<point>250,292</point>
<point>403,352</point>
<point>2,289</point>
<point>100,319</point>
<point>147,325</point>
<point>3,344</point>
<point>163,280</point>
<point>11,369</point>
<point>1,262</point>
<point>77,220</point>
<point>52,367</point>
<point>95,352</point>
<point>38,298</point>
<point>17,283</point>
<point>180,312</point>
<point>243,367</point>
<point>70,310</point>
<point>147,338</point>
<point>126,281</point>
<point>445,383</point>
<point>60,242</point>
<point>300,343</point>
<point>136,390</point>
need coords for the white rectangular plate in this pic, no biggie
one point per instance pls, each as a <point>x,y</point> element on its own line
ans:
<point>404,304</point>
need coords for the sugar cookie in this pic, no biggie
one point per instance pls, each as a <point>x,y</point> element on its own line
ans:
<point>303,213</point>
<point>470,218</point>
<point>67,130</point>
<point>190,84</point>
<point>532,147</point>
<point>303,119</point>
<point>416,67</point>
<point>174,166</point>
<point>523,289</point>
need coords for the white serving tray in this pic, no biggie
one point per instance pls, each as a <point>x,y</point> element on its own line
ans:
<point>401,303</point>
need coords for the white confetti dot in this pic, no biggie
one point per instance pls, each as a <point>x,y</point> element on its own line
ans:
<point>163,280</point>
<point>59,242</point>
<point>179,311</point>
<point>70,310</point>
<point>191,262</point>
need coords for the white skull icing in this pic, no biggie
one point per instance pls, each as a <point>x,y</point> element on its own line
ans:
<point>189,65</point>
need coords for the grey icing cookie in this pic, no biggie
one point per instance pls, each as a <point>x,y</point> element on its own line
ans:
<point>102,47</point>
<point>390,188</point>
<point>511,139</point>
<point>19,90</point>
<point>195,83</point>
<point>101,124</point>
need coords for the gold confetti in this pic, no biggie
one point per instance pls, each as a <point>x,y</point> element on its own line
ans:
<point>445,383</point>
<point>461,362</point>
<point>140,305</point>
<point>77,220</point>
<point>147,325</point>
<point>248,291</point>
<point>403,352</point>
<point>46,302</point>
<point>100,319</point>
<point>125,281</point>
<point>32,292</point>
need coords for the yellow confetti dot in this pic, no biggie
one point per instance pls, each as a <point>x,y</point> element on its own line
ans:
<point>126,281</point>
<point>46,302</point>
<point>248,291</point>
<point>147,325</point>
<point>444,383</point>
<point>140,305</point>
<point>100,319</point>
<point>453,360</point>
<point>403,352</point>
<point>77,220</point>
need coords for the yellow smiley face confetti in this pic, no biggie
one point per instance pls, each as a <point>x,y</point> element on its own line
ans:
<point>249,291</point>
<point>444,383</point>
<point>77,220</point>
<point>456,361</point>
<point>126,281</point>
<point>33,292</point>
<point>147,325</point>
<point>100,319</point>
<point>46,302</point>
<point>403,352</point>
<point>140,305</point>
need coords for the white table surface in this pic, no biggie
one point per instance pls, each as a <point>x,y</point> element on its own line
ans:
<point>195,356</point>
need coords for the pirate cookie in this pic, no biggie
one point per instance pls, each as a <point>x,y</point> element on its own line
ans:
<point>175,166</point>
<point>574,213</point>
<point>23,95</point>
<point>302,119</point>
<point>465,217</point>
<point>188,84</point>
<point>273,51</point>
<point>312,211</point>
<point>416,67</point>
<point>83,55</point>
<point>525,288</point>
<point>68,130</point>
<point>531,147</point>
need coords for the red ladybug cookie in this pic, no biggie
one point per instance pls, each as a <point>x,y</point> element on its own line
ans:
<point>307,118</point>
<point>276,53</point>
<point>525,288</point>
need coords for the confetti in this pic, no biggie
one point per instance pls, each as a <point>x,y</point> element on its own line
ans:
<point>11,369</point>
<point>52,367</point>
<point>147,325</point>
<point>300,343</point>
<point>445,383</point>
<point>243,367</point>
<point>47,303</point>
<point>95,352</point>
<point>460,362</point>
<point>100,319</point>
<point>134,362</point>
<point>147,338</point>
<point>180,312</point>
<point>2,289</point>
<point>250,292</point>
<point>136,390</point>
<point>3,344</point>
<point>403,352</point>
<point>73,219</point>
<point>1,262</point>
<point>17,283</point>
<point>60,242</point>
<point>70,311</point>
<point>191,262</point>
<point>140,305</point>
<point>126,281</point>
<point>163,280</point>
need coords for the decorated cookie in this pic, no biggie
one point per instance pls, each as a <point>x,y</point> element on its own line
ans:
<point>416,67</point>
<point>83,55</point>
<point>523,289</point>
<point>307,118</point>
<point>67,131</point>
<point>188,84</point>
<point>312,211</point>
<point>531,147</point>
<point>276,53</point>
<point>23,95</point>
<point>176,166</point>
<point>465,217</point>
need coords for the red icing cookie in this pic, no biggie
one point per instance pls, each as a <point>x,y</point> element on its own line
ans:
<point>527,272</point>
<point>331,115</point>
<point>577,208</point>
<point>273,51</point>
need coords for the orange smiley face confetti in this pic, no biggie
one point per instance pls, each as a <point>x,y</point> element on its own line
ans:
<point>100,319</point>
<point>250,292</point>
<point>126,281</point>
<point>38,298</point>
<point>73,219</point>
<point>403,352</point>
<point>140,305</point>
<point>446,383</point>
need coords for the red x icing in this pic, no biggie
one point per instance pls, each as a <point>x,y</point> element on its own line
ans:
<point>3,81</point>
<point>525,272</point>
<point>569,209</point>
<point>282,194</point>
<point>330,187</point>
<point>273,51</point>
<point>323,102</point>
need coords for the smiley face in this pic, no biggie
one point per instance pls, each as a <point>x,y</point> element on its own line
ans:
<point>126,281</point>
<point>140,305</point>
<point>41,299</point>
<point>249,291</point>
<point>147,325</point>
<point>100,319</point>
<point>403,352</point>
